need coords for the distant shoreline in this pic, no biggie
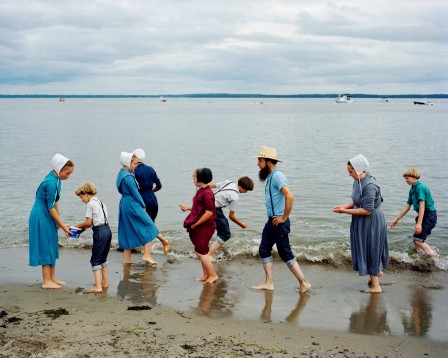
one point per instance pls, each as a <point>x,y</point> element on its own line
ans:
<point>225,95</point>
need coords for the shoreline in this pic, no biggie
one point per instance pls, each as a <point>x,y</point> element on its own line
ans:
<point>187,318</point>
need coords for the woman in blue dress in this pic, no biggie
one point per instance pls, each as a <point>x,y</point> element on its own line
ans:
<point>135,227</point>
<point>368,230</point>
<point>45,219</point>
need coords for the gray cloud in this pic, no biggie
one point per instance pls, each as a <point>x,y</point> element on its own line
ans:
<point>197,46</point>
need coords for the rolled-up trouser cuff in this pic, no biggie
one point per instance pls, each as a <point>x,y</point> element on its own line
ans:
<point>266,260</point>
<point>100,266</point>
<point>221,241</point>
<point>291,262</point>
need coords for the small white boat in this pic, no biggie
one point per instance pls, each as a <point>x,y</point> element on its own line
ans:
<point>162,99</point>
<point>344,98</point>
<point>423,102</point>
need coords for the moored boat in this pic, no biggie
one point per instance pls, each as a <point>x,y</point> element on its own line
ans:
<point>344,98</point>
<point>423,102</point>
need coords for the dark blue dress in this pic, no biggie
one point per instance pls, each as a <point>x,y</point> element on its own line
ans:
<point>43,230</point>
<point>368,234</point>
<point>135,227</point>
<point>146,177</point>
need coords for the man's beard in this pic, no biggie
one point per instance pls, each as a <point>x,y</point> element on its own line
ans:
<point>264,173</point>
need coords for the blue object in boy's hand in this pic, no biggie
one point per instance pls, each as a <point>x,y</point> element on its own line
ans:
<point>74,232</point>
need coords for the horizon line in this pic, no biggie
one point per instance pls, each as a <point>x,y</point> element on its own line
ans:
<point>225,95</point>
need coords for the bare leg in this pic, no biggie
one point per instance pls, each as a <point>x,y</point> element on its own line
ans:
<point>269,282</point>
<point>216,245</point>
<point>97,286</point>
<point>147,257</point>
<point>165,243</point>
<point>53,277</point>
<point>374,285</point>
<point>127,256</point>
<point>297,272</point>
<point>47,282</point>
<point>204,272</point>
<point>424,248</point>
<point>207,266</point>
<point>104,277</point>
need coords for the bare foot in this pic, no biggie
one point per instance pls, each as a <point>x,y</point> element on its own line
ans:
<point>149,260</point>
<point>128,262</point>
<point>201,279</point>
<point>380,274</point>
<point>104,284</point>
<point>58,282</point>
<point>93,290</point>
<point>304,287</point>
<point>211,279</point>
<point>373,290</point>
<point>264,286</point>
<point>50,284</point>
<point>166,246</point>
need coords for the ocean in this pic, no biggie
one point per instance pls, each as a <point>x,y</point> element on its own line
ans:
<point>314,137</point>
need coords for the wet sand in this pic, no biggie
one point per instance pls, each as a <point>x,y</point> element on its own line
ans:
<point>175,316</point>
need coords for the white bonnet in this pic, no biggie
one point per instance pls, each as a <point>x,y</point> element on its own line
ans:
<point>58,162</point>
<point>359,164</point>
<point>125,159</point>
<point>140,154</point>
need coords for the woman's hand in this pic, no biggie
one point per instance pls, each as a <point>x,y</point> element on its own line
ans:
<point>339,209</point>
<point>66,228</point>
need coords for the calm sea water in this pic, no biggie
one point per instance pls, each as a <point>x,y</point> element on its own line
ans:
<point>314,138</point>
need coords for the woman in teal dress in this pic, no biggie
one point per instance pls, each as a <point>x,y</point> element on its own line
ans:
<point>368,230</point>
<point>45,219</point>
<point>135,227</point>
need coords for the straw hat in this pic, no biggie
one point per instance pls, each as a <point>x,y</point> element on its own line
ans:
<point>268,153</point>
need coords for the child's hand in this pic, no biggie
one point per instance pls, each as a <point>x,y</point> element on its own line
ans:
<point>184,207</point>
<point>418,228</point>
<point>393,223</point>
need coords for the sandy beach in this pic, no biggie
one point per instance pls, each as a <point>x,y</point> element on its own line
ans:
<point>163,312</point>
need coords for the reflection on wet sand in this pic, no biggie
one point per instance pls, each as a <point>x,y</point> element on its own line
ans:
<point>418,322</point>
<point>293,317</point>
<point>267,309</point>
<point>215,298</point>
<point>138,284</point>
<point>370,318</point>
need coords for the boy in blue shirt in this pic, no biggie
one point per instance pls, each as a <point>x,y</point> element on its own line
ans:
<point>421,200</point>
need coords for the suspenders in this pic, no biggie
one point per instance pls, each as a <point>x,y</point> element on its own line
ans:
<point>104,213</point>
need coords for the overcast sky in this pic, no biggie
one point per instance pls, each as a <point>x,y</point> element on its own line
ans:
<point>227,46</point>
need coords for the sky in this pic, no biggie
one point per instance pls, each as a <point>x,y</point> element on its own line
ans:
<point>151,47</point>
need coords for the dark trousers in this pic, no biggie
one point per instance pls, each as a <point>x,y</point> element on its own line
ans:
<point>102,237</point>
<point>276,235</point>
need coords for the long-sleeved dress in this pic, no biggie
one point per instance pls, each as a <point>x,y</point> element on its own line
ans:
<point>43,230</point>
<point>368,234</point>
<point>135,227</point>
<point>146,177</point>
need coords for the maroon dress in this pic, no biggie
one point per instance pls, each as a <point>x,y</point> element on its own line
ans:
<point>203,201</point>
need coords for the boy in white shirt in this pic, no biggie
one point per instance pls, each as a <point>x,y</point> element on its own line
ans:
<point>96,217</point>
<point>228,195</point>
